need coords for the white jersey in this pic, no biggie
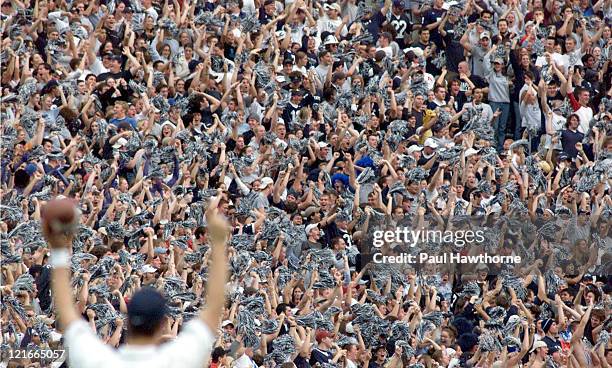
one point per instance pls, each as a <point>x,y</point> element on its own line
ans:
<point>191,348</point>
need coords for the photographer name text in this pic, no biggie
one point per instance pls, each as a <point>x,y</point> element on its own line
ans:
<point>445,258</point>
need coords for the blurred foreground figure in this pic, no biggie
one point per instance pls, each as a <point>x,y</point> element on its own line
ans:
<point>147,311</point>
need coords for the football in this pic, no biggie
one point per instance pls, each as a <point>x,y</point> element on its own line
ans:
<point>60,216</point>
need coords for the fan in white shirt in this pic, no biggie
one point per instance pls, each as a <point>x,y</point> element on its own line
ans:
<point>332,21</point>
<point>147,312</point>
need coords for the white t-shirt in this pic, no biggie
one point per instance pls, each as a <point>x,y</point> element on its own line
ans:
<point>322,71</point>
<point>302,69</point>
<point>487,111</point>
<point>556,58</point>
<point>331,25</point>
<point>558,122</point>
<point>244,362</point>
<point>98,68</point>
<point>531,114</point>
<point>191,348</point>
<point>297,32</point>
<point>567,57</point>
<point>249,6</point>
<point>350,364</point>
<point>388,51</point>
<point>585,115</point>
<point>430,80</point>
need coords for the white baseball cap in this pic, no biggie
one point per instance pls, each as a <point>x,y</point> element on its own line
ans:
<point>414,148</point>
<point>168,122</point>
<point>120,143</point>
<point>310,227</point>
<point>470,152</point>
<point>265,182</point>
<point>330,40</point>
<point>430,142</point>
<point>149,269</point>
<point>538,344</point>
<point>332,6</point>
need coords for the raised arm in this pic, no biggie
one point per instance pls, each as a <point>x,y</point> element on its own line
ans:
<point>218,230</point>
<point>465,41</point>
<point>579,332</point>
<point>60,276</point>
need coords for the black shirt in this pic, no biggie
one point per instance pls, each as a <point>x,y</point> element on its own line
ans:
<point>454,50</point>
<point>460,100</point>
<point>432,16</point>
<point>125,74</point>
<point>569,140</point>
<point>402,27</point>
<point>230,51</point>
<point>421,45</point>
<point>247,136</point>
<point>373,24</point>
<point>551,343</point>
<point>558,96</point>
<point>207,119</point>
<point>373,364</point>
<point>417,114</point>
<point>263,17</point>
<point>320,356</point>
<point>280,204</point>
<point>43,284</point>
<point>290,113</point>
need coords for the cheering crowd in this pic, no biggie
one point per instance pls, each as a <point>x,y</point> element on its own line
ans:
<point>310,126</point>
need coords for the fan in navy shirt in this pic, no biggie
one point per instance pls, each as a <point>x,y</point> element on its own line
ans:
<point>571,136</point>
<point>373,22</point>
<point>401,24</point>
<point>266,14</point>
<point>322,353</point>
<point>432,19</point>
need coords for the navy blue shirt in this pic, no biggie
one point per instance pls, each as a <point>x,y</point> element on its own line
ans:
<point>569,140</point>
<point>320,356</point>
<point>454,50</point>
<point>373,24</point>
<point>550,343</point>
<point>432,16</point>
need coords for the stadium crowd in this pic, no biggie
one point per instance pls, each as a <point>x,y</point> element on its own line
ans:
<point>310,126</point>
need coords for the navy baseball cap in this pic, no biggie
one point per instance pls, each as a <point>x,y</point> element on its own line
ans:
<point>147,306</point>
<point>563,156</point>
<point>49,86</point>
<point>553,349</point>
<point>31,169</point>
